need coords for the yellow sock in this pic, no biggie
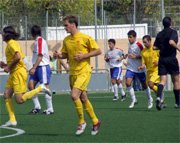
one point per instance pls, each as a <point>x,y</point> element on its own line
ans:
<point>90,111</point>
<point>79,109</point>
<point>10,109</point>
<point>155,88</point>
<point>30,94</point>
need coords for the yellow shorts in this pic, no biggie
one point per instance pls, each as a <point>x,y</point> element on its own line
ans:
<point>18,81</point>
<point>153,77</point>
<point>80,81</point>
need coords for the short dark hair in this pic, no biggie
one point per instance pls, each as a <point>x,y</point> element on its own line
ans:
<point>112,41</point>
<point>10,33</point>
<point>35,31</point>
<point>132,32</point>
<point>148,37</point>
<point>167,22</point>
<point>71,19</point>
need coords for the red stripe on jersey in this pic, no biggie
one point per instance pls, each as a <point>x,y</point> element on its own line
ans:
<point>40,46</point>
<point>140,46</point>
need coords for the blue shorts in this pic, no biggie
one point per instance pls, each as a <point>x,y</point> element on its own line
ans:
<point>140,76</point>
<point>116,73</point>
<point>42,74</point>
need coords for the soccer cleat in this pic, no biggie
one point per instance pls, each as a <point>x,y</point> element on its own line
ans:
<point>158,103</point>
<point>45,90</point>
<point>80,129</point>
<point>9,123</point>
<point>123,98</point>
<point>35,111</point>
<point>177,106</point>
<point>132,104</point>
<point>96,128</point>
<point>47,112</point>
<point>150,105</point>
<point>115,98</point>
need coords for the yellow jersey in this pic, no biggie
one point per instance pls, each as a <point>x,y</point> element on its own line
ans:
<point>11,49</point>
<point>148,57</point>
<point>72,45</point>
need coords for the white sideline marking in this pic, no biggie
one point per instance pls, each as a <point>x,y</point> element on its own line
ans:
<point>19,132</point>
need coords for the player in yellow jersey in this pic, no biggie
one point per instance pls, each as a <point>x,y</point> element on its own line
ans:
<point>17,81</point>
<point>79,47</point>
<point>150,59</point>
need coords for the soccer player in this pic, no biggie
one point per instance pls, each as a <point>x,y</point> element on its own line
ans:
<point>40,72</point>
<point>17,81</point>
<point>150,59</point>
<point>114,59</point>
<point>166,41</point>
<point>79,47</point>
<point>134,61</point>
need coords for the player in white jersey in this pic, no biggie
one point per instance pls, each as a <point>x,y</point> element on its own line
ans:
<point>134,61</point>
<point>114,59</point>
<point>40,72</point>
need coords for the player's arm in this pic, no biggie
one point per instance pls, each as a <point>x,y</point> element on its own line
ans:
<point>132,56</point>
<point>82,56</point>
<point>141,67</point>
<point>17,58</point>
<point>39,59</point>
<point>106,58</point>
<point>172,43</point>
<point>143,62</point>
<point>2,64</point>
<point>58,55</point>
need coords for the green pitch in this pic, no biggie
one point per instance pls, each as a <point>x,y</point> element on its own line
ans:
<point>119,124</point>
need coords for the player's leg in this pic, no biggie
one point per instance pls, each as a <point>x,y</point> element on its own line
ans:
<point>123,94</point>
<point>10,107</point>
<point>160,91</point>
<point>44,75</point>
<point>20,87</point>
<point>129,78</point>
<point>142,78</point>
<point>119,82</point>
<point>162,72</point>
<point>174,71</point>
<point>75,95</point>
<point>153,80</point>
<point>50,109</point>
<point>115,87</point>
<point>37,107</point>
<point>90,111</point>
<point>114,83</point>
<point>175,80</point>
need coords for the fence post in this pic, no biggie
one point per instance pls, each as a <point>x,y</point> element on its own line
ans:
<point>2,38</point>
<point>95,13</point>
<point>26,33</point>
<point>47,26</point>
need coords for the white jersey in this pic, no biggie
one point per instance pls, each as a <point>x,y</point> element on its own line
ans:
<point>114,55</point>
<point>41,48</point>
<point>133,64</point>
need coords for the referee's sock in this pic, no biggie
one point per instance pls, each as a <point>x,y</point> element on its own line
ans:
<point>160,90</point>
<point>177,96</point>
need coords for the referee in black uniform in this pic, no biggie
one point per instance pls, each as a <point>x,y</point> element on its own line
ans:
<point>166,41</point>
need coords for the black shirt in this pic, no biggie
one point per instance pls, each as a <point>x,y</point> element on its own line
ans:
<point>162,42</point>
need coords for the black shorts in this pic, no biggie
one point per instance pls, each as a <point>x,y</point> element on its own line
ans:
<point>168,66</point>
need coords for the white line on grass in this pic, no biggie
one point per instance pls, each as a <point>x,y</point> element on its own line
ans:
<point>19,132</point>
